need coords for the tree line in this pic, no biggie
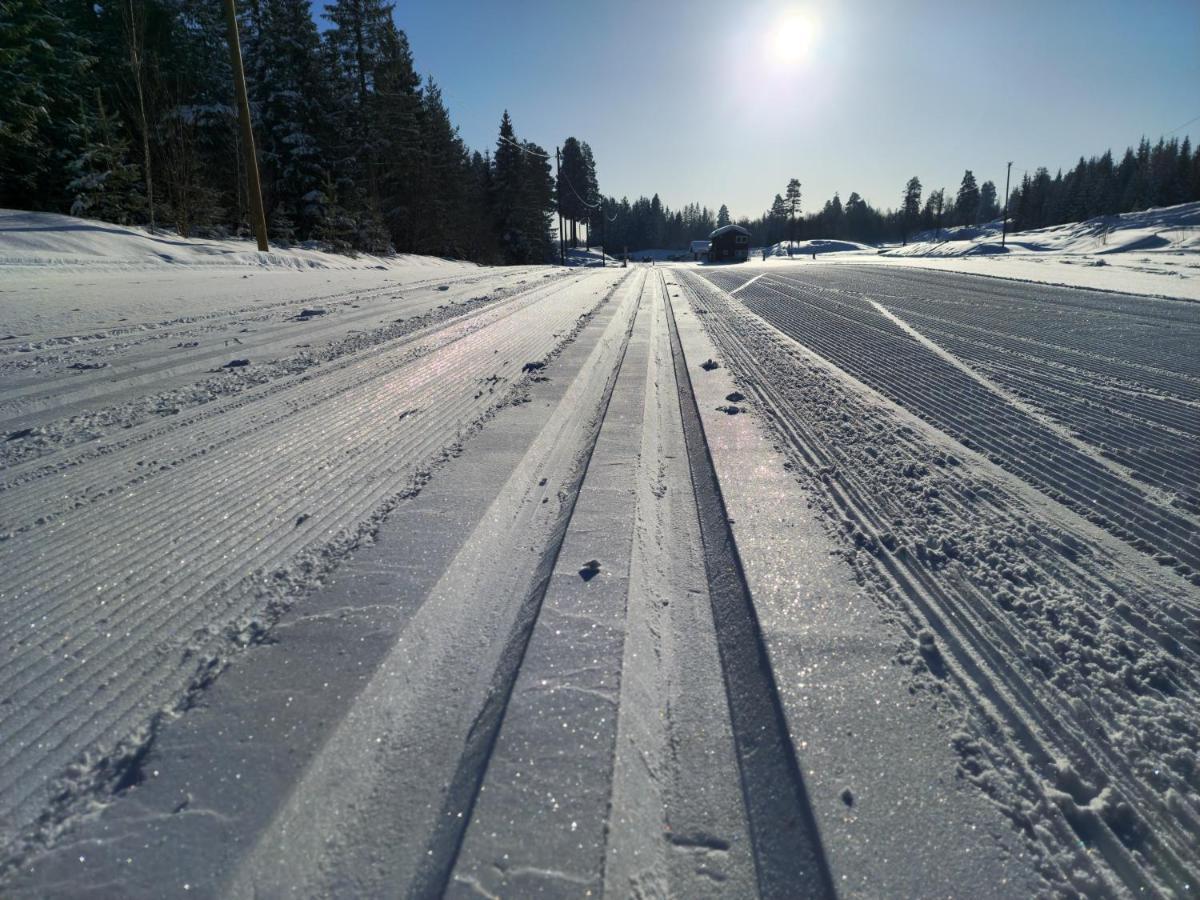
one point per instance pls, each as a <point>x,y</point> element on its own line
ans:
<point>1162,174</point>
<point>122,110</point>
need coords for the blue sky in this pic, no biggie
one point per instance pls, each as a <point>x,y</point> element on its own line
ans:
<point>695,101</point>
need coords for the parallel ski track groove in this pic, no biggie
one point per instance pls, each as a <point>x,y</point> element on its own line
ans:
<point>983,671</point>
<point>144,661</point>
<point>788,854</point>
<point>340,375</point>
<point>899,367</point>
<point>461,793</point>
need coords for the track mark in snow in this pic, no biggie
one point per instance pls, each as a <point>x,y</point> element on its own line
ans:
<point>1041,623</point>
<point>746,284</point>
<point>787,847</point>
<point>176,554</point>
<point>446,682</point>
<point>1005,395</point>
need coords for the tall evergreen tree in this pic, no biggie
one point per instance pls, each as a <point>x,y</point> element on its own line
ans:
<point>793,206</point>
<point>45,61</point>
<point>293,104</point>
<point>722,214</point>
<point>910,206</point>
<point>966,204</point>
<point>988,209</point>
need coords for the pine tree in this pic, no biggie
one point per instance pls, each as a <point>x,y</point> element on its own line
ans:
<point>360,39</point>
<point>722,214</point>
<point>104,183</point>
<point>403,168</point>
<point>910,208</point>
<point>45,60</point>
<point>793,205</point>
<point>291,104</point>
<point>966,204</point>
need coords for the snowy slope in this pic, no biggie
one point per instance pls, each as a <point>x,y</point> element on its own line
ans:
<point>37,239</point>
<point>1171,229</point>
<point>1156,252</point>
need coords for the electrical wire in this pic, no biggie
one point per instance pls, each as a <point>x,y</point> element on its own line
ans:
<point>1183,126</point>
<point>523,148</point>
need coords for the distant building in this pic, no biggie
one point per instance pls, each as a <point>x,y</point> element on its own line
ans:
<point>730,243</point>
<point>699,249</point>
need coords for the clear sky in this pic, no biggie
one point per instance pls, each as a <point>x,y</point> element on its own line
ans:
<point>720,101</point>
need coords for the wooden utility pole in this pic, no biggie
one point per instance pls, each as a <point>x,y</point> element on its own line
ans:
<point>253,188</point>
<point>1004,227</point>
<point>562,253</point>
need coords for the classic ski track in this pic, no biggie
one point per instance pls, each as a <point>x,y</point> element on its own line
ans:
<point>671,683</point>
<point>983,671</point>
<point>1103,318</point>
<point>153,331</point>
<point>789,858</point>
<point>147,656</point>
<point>430,828</point>
<point>901,368</point>
<point>568,678</point>
<point>73,400</point>
<point>320,382</point>
<point>1145,434</point>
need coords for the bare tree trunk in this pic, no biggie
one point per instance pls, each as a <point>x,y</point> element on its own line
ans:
<point>134,36</point>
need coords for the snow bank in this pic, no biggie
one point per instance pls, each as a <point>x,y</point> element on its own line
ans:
<point>1155,252</point>
<point>1169,229</point>
<point>820,247</point>
<point>41,240</point>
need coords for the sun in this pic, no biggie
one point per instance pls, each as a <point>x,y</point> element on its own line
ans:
<point>792,37</point>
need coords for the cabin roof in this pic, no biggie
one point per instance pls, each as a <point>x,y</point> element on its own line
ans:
<point>729,229</point>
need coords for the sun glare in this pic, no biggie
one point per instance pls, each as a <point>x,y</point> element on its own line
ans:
<point>792,38</point>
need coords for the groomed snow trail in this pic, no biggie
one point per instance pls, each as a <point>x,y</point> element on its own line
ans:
<point>125,578</point>
<point>581,583</point>
<point>1070,656</point>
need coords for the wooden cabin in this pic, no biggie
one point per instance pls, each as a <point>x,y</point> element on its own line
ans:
<point>729,243</point>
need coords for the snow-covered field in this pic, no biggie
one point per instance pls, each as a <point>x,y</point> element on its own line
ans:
<point>1156,252</point>
<point>783,579</point>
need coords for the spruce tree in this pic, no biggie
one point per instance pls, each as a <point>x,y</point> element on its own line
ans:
<point>104,183</point>
<point>45,61</point>
<point>988,209</point>
<point>722,214</point>
<point>910,208</point>
<point>966,204</point>
<point>291,103</point>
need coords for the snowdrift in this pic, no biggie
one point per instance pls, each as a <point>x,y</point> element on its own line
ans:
<point>39,239</point>
<point>819,247</point>
<point>1166,229</point>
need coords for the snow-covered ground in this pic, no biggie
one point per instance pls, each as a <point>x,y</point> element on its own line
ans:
<point>783,579</point>
<point>1156,252</point>
<point>41,240</point>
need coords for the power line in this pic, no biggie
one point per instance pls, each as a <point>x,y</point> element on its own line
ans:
<point>567,179</point>
<point>1184,125</point>
<point>523,148</point>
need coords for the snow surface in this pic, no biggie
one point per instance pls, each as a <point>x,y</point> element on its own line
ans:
<point>1156,253</point>
<point>40,240</point>
<point>783,579</point>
